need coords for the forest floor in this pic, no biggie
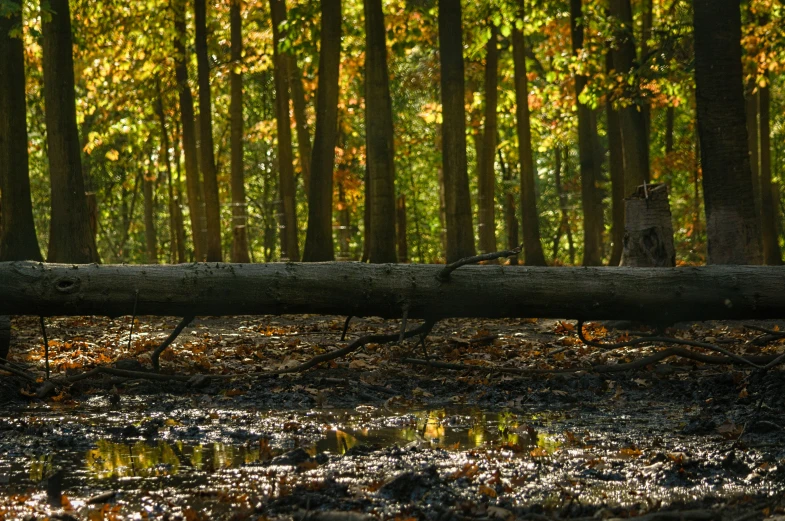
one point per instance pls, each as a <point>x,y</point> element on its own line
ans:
<point>368,436</point>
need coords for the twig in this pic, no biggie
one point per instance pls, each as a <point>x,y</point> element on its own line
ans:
<point>444,274</point>
<point>667,340</point>
<point>346,327</point>
<point>778,334</point>
<point>8,367</point>
<point>46,345</point>
<point>423,328</point>
<point>160,349</point>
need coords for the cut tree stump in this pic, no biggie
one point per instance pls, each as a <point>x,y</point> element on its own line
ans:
<point>657,296</point>
<point>648,231</point>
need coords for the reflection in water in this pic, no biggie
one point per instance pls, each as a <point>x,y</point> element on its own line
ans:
<point>149,459</point>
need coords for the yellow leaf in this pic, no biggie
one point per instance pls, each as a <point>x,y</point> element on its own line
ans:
<point>113,155</point>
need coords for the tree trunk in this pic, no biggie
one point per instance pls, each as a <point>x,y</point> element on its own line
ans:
<point>151,248</point>
<point>486,182</point>
<point>769,214</point>
<point>176,248</point>
<point>400,225</point>
<point>210,178</point>
<point>458,216</point>
<point>379,137</point>
<point>510,213</point>
<point>632,120</point>
<point>70,237</point>
<point>290,249</point>
<point>616,167</point>
<point>532,246</point>
<point>653,295</point>
<point>17,228</point>
<point>239,213</point>
<point>589,164</point>
<point>648,231</point>
<point>178,208</point>
<point>732,228</point>
<point>319,235</point>
<point>751,111</point>
<point>192,178</point>
<point>301,120</point>
<point>647,22</point>
<point>345,225</point>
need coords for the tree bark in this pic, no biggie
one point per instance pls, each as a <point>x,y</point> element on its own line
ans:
<point>400,227</point>
<point>732,227</point>
<point>70,237</point>
<point>17,227</point>
<point>379,137</point>
<point>212,204</point>
<point>510,213</point>
<point>319,235</point>
<point>239,213</point>
<point>290,249</point>
<point>769,214</point>
<point>648,231</point>
<point>589,163</point>
<point>176,246</point>
<point>458,216</point>
<point>178,196</point>
<point>345,225</point>
<point>532,246</point>
<point>150,241</point>
<point>751,111</point>
<point>616,167</point>
<point>300,120</point>
<point>632,119</point>
<point>653,295</point>
<point>192,178</point>
<point>486,182</point>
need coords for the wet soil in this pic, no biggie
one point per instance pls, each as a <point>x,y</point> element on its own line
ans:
<point>370,437</point>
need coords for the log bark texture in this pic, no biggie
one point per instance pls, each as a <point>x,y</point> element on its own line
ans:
<point>654,295</point>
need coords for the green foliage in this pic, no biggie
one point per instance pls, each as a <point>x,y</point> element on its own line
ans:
<point>124,50</point>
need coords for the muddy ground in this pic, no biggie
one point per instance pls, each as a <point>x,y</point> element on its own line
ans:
<point>367,436</point>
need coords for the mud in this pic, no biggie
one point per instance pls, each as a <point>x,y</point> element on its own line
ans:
<point>379,439</point>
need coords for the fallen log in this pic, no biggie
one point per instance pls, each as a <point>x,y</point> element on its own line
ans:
<point>653,295</point>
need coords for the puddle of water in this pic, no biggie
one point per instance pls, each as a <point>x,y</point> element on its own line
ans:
<point>171,461</point>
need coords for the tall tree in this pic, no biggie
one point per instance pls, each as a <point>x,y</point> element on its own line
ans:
<point>458,216</point>
<point>319,236</point>
<point>486,182</point>
<point>176,232</point>
<point>379,137</point>
<point>150,239</point>
<point>589,162</point>
<point>17,229</point>
<point>751,111</point>
<point>239,213</point>
<point>289,247</point>
<point>731,227</point>
<point>635,141</point>
<point>192,178</point>
<point>616,168</point>
<point>532,246</point>
<point>207,160</point>
<point>70,237</point>
<point>769,214</point>
<point>300,120</point>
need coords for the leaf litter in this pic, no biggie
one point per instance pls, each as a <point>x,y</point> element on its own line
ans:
<point>371,437</point>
